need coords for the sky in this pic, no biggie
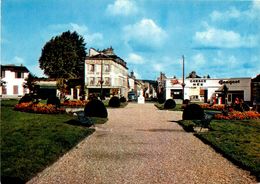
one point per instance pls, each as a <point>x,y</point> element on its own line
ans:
<point>216,37</point>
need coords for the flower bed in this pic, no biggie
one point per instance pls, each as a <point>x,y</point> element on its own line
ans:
<point>236,115</point>
<point>218,107</point>
<point>38,108</point>
<point>74,103</point>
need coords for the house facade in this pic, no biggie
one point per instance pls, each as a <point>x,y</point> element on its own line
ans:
<point>205,89</point>
<point>12,81</point>
<point>105,73</point>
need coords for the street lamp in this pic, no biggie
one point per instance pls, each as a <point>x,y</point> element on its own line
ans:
<point>183,84</point>
<point>101,81</point>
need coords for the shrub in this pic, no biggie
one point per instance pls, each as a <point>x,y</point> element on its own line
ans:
<point>26,98</point>
<point>74,103</point>
<point>186,102</point>
<point>192,111</point>
<point>95,108</point>
<point>219,107</point>
<point>38,108</point>
<point>123,99</point>
<point>169,104</point>
<point>53,101</point>
<point>114,102</point>
<point>236,115</point>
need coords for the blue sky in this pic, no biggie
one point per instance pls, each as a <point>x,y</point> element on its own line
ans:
<point>219,38</point>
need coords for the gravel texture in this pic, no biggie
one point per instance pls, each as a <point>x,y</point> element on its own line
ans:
<point>140,144</point>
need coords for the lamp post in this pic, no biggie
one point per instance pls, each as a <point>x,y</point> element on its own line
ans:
<point>183,84</point>
<point>225,91</point>
<point>101,81</point>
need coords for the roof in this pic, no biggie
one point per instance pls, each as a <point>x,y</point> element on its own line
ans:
<point>107,54</point>
<point>14,68</point>
<point>256,79</point>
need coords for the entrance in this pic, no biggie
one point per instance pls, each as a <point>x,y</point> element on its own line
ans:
<point>232,95</point>
<point>176,93</point>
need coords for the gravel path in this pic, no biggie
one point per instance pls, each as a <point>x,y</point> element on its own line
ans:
<point>140,144</point>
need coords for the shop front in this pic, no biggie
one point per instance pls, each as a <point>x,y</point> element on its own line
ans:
<point>210,90</point>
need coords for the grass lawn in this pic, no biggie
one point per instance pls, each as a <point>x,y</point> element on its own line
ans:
<point>238,140</point>
<point>30,142</point>
<point>161,107</point>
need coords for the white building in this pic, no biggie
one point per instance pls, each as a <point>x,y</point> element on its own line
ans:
<point>12,81</point>
<point>209,90</point>
<point>107,70</point>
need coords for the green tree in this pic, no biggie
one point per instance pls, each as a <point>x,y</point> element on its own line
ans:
<point>63,56</point>
<point>30,83</point>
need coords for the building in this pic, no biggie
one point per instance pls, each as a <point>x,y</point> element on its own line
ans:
<point>255,98</point>
<point>12,81</point>
<point>206,89</point>
<point>106,74</point>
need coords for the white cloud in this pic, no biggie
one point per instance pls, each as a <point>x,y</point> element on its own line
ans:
<point>231,13</point>
<point>225,38</point>
<point>158,67</point>
<point>146,32</point>
<point>95,39</point>
<point>256,4</point>
<point>135,59</point>
<point>198,60</point>
<point>122,7</point>
<point>253,12</point>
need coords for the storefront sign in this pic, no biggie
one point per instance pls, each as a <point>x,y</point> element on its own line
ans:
<point>198,82</point>
<point>230,82</point>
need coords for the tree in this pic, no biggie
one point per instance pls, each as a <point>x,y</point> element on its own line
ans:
<point>63,56</point>
<point>30,83</point>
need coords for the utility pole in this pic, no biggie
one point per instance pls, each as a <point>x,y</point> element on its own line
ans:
<point>101,81</point>
<point>183,84</point>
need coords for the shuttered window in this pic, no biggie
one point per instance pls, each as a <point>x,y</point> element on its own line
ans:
<point>15,90</point>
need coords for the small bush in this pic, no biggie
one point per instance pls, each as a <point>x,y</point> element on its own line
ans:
<point>169,104</point>
<point>186,102</point>
<point>53,101</point>
<point>26,98</point>
<point>192,111</point>
<point>122,99</point>
<point>114,102</point>
<point>95,108</point>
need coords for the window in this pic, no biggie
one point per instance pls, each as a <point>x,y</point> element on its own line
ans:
<point>91,81</point>
<point>98,81</point>
<point>19,75</point>
<point>15,89</point>
<point>107,68</point>
<point>107,81</point>
<point>91,67</point>
<point>3,74</point>
<point>4,92</point>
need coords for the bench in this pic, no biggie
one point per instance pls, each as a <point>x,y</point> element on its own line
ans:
<point>204,122</point>
<point>84,119</point>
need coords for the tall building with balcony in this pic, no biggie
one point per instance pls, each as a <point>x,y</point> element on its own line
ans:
<point>106,74</point>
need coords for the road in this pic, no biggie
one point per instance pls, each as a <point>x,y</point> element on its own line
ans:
<point>140,144</point>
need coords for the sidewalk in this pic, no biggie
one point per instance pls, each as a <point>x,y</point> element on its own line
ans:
<point>140,144</point>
